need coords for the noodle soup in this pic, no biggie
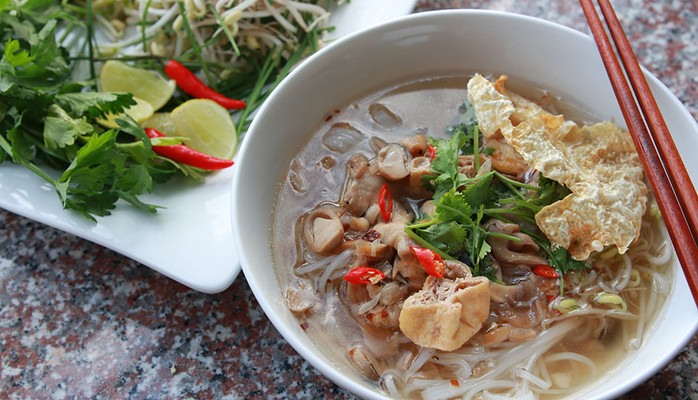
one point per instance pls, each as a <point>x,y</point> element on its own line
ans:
<point>487,302</point>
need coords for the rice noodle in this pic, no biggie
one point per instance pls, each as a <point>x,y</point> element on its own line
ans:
<point>534,377</point>
<point>315,266</point>
<point>340,261</point>
<point>622,279</point>
<point>388,383</point>
<point>540,382</point>
<point>420,359</point>
<point>569,356</point>
<point>455,362</point>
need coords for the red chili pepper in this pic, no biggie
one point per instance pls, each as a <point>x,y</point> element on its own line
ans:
<point>432,152</point>
<point>546,271</point>
<point>431,261</point>
<point>186,155</point>
<point>364,275</point>
<point>385,202</point>
<point>193,86</point>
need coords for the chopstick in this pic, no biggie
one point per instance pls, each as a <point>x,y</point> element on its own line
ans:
<point>675,194</point>
<point>678,175</point>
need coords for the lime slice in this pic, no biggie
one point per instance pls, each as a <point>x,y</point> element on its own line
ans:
<point>208,126</point>
<point>116,76</point>
<point>140,112</point>
<point>161,122</point>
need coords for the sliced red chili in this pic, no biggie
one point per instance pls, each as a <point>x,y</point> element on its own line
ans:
<point>364,275</point>
<point>432,152</point>
<point>186,155</point>
<point>385,202</point>
<point>432,262</point>
<point>193,86</point>
<point>546,271</point>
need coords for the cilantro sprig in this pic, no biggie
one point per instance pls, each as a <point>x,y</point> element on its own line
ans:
<point>463,205</point>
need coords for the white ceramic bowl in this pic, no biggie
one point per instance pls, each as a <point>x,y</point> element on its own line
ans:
<point>466,41</point>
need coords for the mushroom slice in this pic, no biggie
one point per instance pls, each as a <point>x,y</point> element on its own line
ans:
<point>323,230</point>
<point>393,161</point>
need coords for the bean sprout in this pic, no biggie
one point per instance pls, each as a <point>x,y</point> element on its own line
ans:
<point>262,25</point>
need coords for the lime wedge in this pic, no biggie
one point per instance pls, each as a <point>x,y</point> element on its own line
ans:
<point>161,122</point>
<point>208,126</point>
<point>116,76</point>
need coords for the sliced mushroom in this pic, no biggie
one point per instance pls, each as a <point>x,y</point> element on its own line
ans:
<point>323,230</point>
<point>363,185</point>
<point>299,301</point>
<point>393,162</point>
<point>427,208</point>
<point>417,146</point>
<point>505,158</point>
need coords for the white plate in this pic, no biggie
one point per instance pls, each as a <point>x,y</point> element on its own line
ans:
<point>191,240</point>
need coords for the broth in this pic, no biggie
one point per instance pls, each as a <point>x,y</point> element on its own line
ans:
<point>552,357</point>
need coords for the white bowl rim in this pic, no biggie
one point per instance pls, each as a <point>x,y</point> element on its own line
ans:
<point>308,353</point>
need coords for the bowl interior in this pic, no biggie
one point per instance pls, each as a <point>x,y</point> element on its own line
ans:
<point>529,50</point>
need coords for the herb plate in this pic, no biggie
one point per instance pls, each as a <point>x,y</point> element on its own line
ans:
<point>189,240</point>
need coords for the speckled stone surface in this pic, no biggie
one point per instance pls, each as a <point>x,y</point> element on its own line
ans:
<point>80,321</point>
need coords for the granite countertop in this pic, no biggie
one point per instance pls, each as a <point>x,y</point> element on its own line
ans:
<point>78,320</point>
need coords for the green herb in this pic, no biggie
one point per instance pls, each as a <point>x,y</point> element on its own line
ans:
<point>48,123</point>
<point>464,204</point>
<point>559,258</point>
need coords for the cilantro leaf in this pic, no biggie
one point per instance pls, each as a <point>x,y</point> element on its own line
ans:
<point>476,245</point>
<point>561,259</point>
<point>550,192</point>
<point>454,207</point>
<point>478,193</point>
<point>445,163</point>
<point>448,237</point>
<point>95,104</point>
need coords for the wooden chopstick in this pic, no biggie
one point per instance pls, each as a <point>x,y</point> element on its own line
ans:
<point>678,175</point>
<point>683,234</point>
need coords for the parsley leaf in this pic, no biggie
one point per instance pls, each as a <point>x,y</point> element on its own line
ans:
<point>61,130</point>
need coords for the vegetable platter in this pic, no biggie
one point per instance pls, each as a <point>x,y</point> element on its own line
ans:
<point>182,227</point>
